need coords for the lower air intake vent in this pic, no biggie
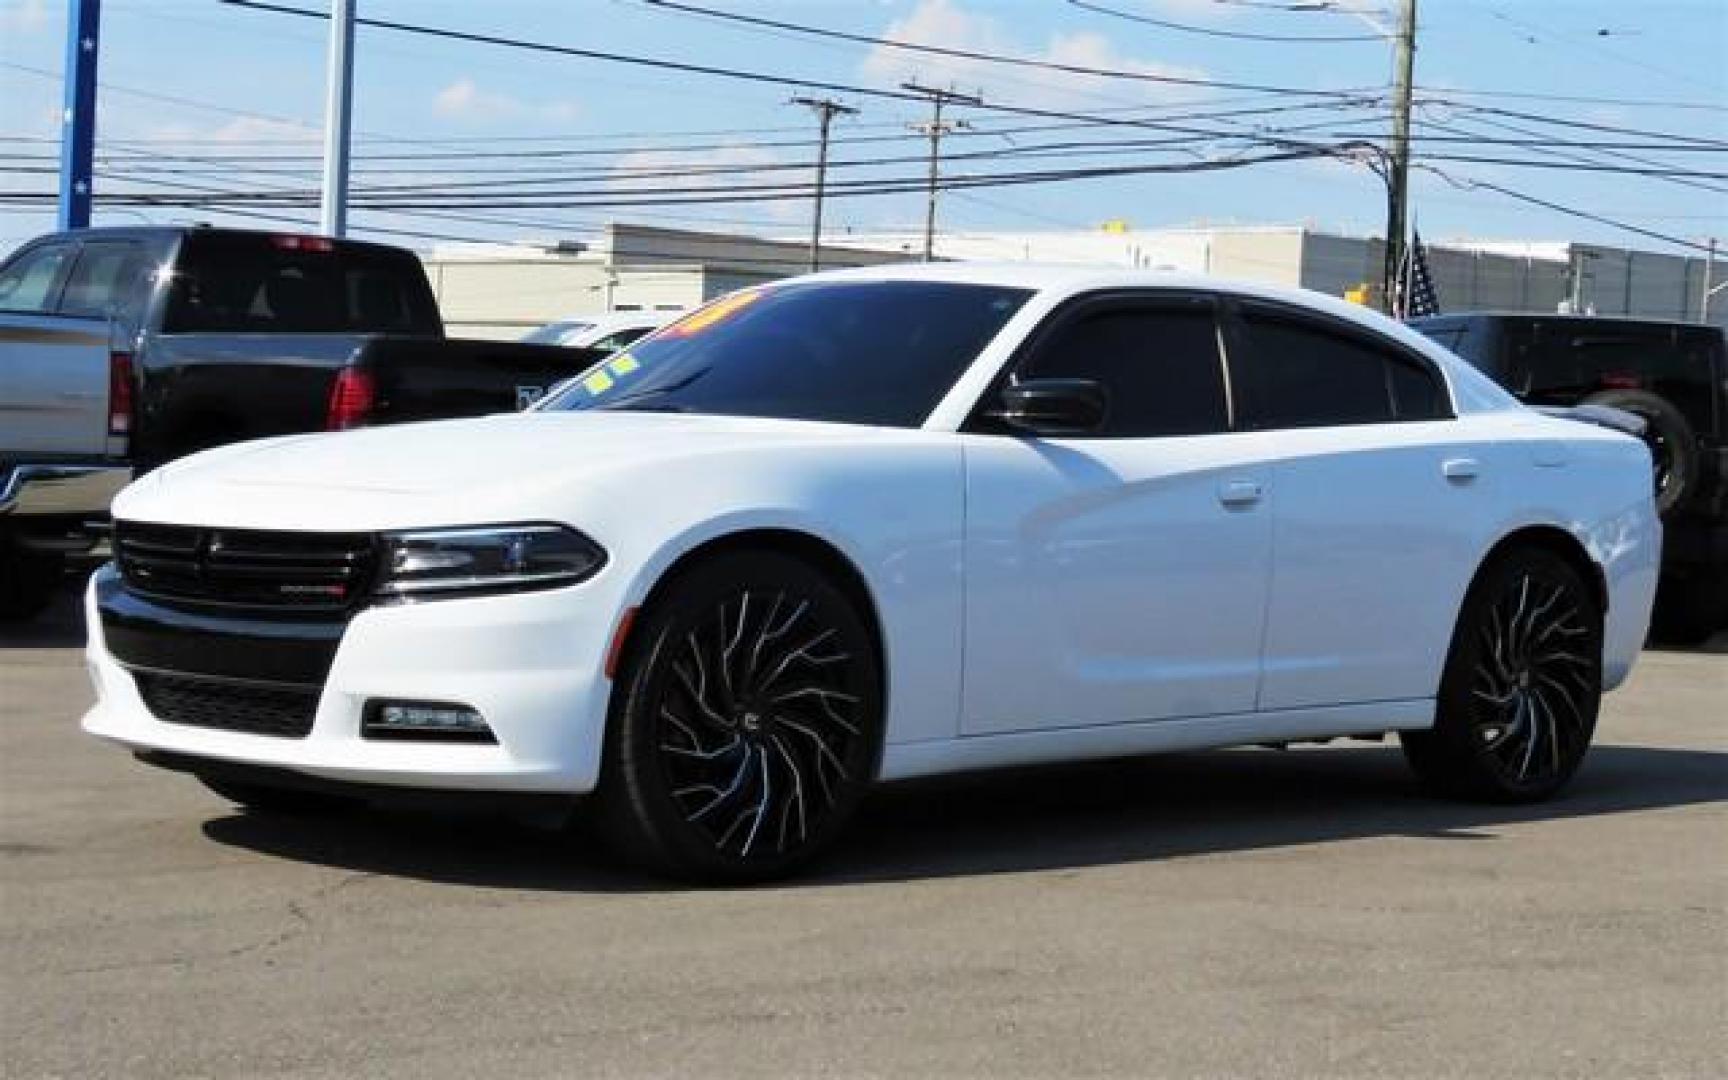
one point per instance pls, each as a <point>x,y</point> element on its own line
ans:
<point>284,712</point>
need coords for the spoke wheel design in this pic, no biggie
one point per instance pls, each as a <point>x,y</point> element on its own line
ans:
<point>758,721</point>
<point>1518,699</point>
<point>746,722</point>
<point>1532,676</point>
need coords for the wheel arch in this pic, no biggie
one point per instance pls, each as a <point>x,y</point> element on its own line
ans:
<point>1558,541</point>
<point>815,551</point>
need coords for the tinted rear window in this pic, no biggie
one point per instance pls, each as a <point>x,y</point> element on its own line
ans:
<point>876,352</point>
<point>229,283</point>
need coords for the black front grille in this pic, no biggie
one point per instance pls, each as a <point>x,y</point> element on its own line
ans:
<point>311,572</point>
<point>281,711</point>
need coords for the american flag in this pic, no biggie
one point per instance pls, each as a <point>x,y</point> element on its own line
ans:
<point>1415,286</point>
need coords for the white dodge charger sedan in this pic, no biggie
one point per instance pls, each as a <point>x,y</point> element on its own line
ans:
<point>888,523</point>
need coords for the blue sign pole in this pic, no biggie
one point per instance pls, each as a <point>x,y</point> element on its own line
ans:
<point>78,121</point>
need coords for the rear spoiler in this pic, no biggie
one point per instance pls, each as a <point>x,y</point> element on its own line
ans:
<point>1601,415</point>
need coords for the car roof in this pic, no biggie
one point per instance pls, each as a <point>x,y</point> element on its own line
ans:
<point>1471,390</point>
<point>1062,279</point>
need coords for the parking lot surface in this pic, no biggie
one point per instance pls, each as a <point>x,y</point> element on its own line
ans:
<point>1301,913</point>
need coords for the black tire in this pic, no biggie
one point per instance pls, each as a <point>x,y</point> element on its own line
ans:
<point>1522,684</point>
<point>746,722</point>
<point>1673,445</point>
<point>28,580</point>
<point>268,799</point>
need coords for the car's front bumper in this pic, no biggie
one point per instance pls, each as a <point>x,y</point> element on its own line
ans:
<point>532,664</point>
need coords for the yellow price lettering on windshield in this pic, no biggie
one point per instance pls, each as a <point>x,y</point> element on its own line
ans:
<point>713,314</point>
<point>623,364</point>
<point>597,383</point>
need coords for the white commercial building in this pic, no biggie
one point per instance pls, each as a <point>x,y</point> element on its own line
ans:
<point>506,290</point>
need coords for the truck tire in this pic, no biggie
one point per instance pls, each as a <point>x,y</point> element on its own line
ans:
<point>27,579</point>
<point>1691,609</point>
<point>1673,446</point>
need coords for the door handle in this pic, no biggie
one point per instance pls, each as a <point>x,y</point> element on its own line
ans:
<point>1239,492</point>
<point>1461,469</point>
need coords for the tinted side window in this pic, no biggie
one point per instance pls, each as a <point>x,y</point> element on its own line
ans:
<point>1159,366</point>
<point>27,283</point>
<point>108,278</point>
<point>1416,393</point>
<point>1294,374</point>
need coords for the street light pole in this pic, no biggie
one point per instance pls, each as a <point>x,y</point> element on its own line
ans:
<point>826,110</point>
<point>78,118</point>
<point>338,117</point>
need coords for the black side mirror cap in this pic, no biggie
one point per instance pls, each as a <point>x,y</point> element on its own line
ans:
<point>1053,406</point>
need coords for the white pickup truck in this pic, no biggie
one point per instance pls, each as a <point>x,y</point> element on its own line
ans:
<point>65,407</point>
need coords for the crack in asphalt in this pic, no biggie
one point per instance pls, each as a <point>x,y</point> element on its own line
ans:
<point>296,908</point>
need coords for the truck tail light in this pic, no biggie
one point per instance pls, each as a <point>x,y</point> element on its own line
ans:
<point>120,395</point>
<point>351,400</point>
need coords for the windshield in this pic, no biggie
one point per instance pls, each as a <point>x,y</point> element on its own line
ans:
<point>869,352</point>
<point>553,333</point>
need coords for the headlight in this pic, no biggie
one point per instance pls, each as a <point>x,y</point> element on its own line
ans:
<point>501,558</point>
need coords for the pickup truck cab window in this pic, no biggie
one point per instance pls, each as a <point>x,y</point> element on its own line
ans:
<point>108,278</point>
<point>30,282</point>
<point>251,283</point>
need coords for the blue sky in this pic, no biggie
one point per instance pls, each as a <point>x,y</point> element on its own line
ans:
<point>207,90</point>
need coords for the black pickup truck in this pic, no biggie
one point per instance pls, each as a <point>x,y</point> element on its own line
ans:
<point>124,348</point>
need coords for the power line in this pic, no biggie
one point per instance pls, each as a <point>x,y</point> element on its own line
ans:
<point>979,55</point>
<point>1238,35</point>
<point>782,80</point>
<point>1471,184</point>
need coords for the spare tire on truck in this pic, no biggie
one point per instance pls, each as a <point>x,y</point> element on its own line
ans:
<point>1673,444</point>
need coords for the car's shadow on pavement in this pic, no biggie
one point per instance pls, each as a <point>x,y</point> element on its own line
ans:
<point>1058,817</point>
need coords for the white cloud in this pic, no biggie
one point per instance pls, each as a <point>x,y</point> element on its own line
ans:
<point>948,24</point>
<point>464,99</point>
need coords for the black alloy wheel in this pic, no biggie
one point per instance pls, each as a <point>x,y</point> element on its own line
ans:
<point>1522,685</point>
<point>746,724</point>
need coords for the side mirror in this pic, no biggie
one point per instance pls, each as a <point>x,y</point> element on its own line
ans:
<point>1053,406</point>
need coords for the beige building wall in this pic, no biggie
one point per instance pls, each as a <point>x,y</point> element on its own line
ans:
<point>501,292</point>
<point>504,292</point>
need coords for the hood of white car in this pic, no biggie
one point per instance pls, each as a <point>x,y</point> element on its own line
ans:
<point>446,471</point>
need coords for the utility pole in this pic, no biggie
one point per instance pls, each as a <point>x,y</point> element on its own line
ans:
<point>78,118</point>
<point>338,117</point>
<point>826,110</point>
<point>1398,175</point>
<point>1709,267</point>
<point>935,129</point>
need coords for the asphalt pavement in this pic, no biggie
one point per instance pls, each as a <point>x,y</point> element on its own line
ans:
<point>1243,913</point>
